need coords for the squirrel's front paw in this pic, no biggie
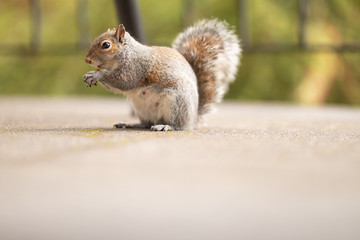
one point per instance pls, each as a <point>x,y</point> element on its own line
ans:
<point>91,78</point>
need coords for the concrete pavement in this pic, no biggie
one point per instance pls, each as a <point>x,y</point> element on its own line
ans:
<point>256,171</point>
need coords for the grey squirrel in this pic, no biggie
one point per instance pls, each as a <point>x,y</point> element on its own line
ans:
<point>170,88</point>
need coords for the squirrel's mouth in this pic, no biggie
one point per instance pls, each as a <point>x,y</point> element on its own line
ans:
<point>98,67</point>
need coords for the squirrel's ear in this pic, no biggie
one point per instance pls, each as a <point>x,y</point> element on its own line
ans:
<point>120,33</point>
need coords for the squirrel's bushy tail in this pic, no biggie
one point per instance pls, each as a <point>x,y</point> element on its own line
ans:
<point>213,50</point>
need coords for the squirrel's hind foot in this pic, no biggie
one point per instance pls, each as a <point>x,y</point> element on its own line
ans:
<point>161,127</point>
<point>125,125</point>
<point>158,127</point>
<point>120,125</point>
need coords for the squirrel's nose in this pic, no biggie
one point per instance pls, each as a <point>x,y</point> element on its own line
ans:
<point>88,60</point>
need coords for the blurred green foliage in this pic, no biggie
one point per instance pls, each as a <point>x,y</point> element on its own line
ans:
<point>283,76</point>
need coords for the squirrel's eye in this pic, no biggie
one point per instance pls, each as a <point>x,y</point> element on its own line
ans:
<point>105,45</point>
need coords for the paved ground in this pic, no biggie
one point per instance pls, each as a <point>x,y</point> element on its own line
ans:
<point>257,171</point>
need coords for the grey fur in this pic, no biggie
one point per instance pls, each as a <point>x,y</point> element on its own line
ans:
<point>158,80</point>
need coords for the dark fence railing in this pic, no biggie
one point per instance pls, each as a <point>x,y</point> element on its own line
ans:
<point>301,45</point>
<point>128,13</point>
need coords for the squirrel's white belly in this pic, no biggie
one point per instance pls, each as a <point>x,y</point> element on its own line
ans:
<point>150,105</point>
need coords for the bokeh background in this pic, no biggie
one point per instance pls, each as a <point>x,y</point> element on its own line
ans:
<point>44,54</point>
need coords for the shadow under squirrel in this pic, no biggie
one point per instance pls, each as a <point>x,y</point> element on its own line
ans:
<point>170,88</point>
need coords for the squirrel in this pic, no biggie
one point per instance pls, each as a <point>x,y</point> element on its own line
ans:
<point>170,88</point>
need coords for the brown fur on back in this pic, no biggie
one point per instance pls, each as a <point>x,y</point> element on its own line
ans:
<point>213,51</point>
<point>205,47</point>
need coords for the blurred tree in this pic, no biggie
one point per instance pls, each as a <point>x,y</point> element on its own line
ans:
<point>244,23</point>
<point>188,14</point>
<point>129,15</point>
<point>36,25</point>
<point>83,23</point>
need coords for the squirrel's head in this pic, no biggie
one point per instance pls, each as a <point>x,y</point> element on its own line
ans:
<point>105,49</point>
